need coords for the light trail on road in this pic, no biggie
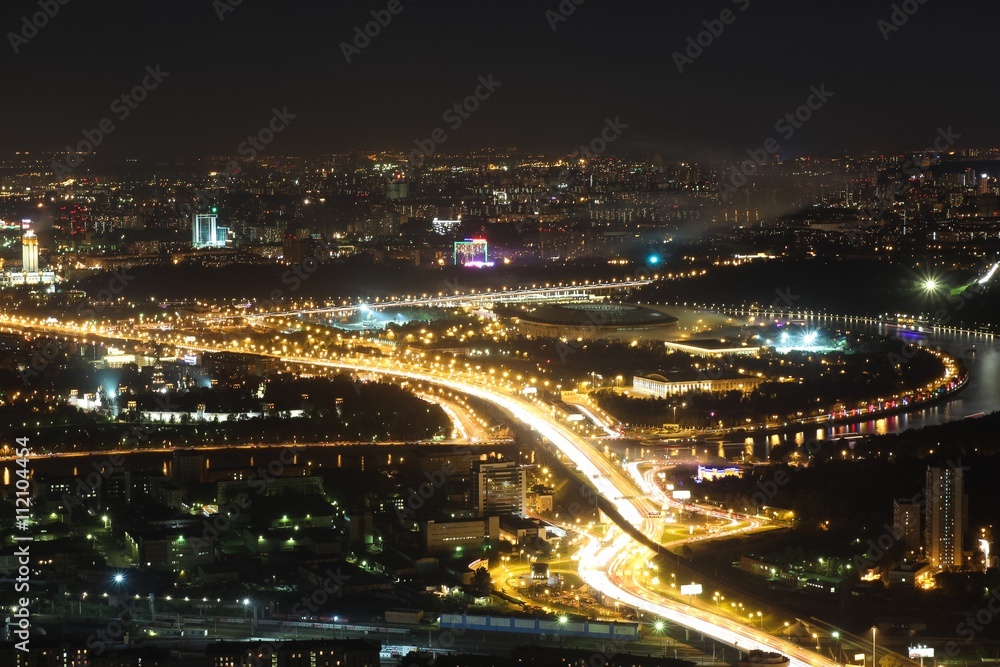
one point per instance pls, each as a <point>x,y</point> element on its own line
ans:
<point>602,563</point>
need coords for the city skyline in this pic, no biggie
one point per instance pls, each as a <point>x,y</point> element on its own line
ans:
<point>523,334</point>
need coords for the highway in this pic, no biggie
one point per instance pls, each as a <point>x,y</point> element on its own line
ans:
<point>603,562</point>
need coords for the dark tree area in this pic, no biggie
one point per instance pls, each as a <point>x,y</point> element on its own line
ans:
<point>855,286</point>
<point>339,409</point>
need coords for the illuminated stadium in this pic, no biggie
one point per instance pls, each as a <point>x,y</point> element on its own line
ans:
<point>593,321</point>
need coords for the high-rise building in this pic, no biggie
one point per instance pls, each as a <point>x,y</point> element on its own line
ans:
<point>947,517</point>
<point>499,487</point>
<point>206,232</point>
<point>30,273</point>
<point>906,523</point>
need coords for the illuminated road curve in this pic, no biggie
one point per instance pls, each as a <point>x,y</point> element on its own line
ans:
<point>602,564</point>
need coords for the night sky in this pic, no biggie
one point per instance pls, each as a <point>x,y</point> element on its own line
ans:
<point>610,58</point>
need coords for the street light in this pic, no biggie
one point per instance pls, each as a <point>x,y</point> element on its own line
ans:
<point>874,648</point>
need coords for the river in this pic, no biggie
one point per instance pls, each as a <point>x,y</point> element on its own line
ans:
<point>979,352</point>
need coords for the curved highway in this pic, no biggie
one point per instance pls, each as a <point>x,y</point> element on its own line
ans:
<point>603,562</point>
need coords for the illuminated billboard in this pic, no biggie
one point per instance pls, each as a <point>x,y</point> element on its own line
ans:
<point>472,252</point>
<point>691,589</point>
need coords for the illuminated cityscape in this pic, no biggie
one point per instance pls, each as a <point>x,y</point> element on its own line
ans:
<point>476,336</point>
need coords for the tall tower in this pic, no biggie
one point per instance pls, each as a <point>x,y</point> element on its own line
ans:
<point>29,251</point>
<point>946,517</point>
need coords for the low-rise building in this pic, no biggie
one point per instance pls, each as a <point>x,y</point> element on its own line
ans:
<point>660,387</point>
<point>169,549</point>
<point>440,536</point>
<point>909,575</point>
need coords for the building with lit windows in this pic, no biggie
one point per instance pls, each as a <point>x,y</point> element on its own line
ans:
<point>308,653</point>
<point>206,232</point>
<point>460,535</point>
<point>30,273</point>
<point>946,517</point>
<point>169,549</point>
<point>906,523</point>
<point>44,652</point>
<point>29,252</point>
<point>661,387</point>
<point>499,487</point>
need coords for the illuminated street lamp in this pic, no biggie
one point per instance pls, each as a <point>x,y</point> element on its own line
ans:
<point>660,627</point>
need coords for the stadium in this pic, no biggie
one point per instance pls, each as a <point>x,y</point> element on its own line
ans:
<point>593,321</point>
